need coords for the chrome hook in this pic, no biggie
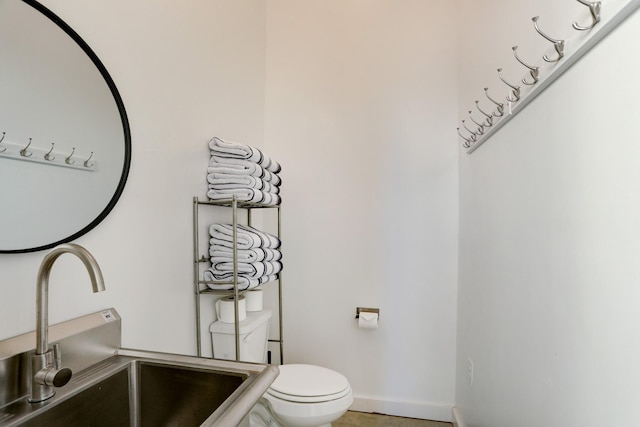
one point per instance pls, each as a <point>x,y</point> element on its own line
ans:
<point>594,8</point>
<point>86,162</point>
<point>68,159</point>
<point>557,44</point>
<point>534,71</point>
<point>48,156</point>
<point>472,138</point>
<point>515,89</point>
<point>2,139</point>
<point>24,152</point>
<point>467,141</point>
<point>475,134</point>
<point>500,106</point>
<point>481,126</point>
<point>489,117</point>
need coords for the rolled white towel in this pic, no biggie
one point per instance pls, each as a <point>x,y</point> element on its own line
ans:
<point>241,167</point>
<point>221,254</point>
<point>243,282</point>
<point>250,195</point>
<point>252,270</point>
<point>247,237</point>
<point>235,150</point>
<point>221,181</point>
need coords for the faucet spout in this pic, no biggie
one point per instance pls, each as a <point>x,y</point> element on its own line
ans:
<point>45,375</point>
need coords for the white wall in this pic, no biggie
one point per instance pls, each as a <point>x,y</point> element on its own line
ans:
<point>185,72</point>
<point>360,109</point>
<point>549,236</point>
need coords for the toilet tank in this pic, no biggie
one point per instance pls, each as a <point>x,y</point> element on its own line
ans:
<point>254,336</point>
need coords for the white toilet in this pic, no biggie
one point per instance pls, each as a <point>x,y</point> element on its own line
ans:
<point>254,335</point>
<point>301,396</point>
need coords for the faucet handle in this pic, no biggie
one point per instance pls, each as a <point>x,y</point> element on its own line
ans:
<point>54,377</point>
<point>47,376</point>
<point>58,376</point>
<point>57,356</point>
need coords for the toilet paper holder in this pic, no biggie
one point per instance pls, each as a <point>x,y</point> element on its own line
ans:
<point>367,310</point>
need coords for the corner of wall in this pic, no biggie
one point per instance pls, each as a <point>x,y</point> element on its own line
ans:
<point>456,418</point>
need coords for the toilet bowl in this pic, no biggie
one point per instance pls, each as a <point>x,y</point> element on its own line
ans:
<point>303,396</point>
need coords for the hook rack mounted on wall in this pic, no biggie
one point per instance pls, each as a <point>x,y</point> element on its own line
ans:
<point>604,20</point>
<point>27,152</point>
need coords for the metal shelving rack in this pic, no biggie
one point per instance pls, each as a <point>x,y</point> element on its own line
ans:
<point>200,286</point>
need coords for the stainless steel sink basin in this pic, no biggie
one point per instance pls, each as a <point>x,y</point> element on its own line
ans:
<point>145,389</point>
<point>117,387</point>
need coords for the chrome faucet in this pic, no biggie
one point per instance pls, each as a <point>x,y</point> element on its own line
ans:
<point>46,370</point>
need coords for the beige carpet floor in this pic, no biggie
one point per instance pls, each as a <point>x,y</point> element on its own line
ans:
<point>362,419</point>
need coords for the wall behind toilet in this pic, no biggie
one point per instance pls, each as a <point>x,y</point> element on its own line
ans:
<point>361,101</point>
<point>357,100</point>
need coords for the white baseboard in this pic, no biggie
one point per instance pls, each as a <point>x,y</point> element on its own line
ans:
<point>456,418</point>
<point>425,411</point>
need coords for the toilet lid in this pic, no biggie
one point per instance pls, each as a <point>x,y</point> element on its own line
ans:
<point>308,383</point>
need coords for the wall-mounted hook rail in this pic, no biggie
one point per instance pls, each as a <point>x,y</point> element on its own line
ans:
<point>32,154</point>
<point>594,9</point>
<point>570,50</point>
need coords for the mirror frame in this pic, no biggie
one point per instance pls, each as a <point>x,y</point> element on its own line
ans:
<point>125,127</point>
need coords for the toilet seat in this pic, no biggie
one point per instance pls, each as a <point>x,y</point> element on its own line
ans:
<point>309,399</point>
<point>306,396</point>
<point>308,384</point>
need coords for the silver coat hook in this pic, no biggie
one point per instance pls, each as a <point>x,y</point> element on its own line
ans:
<point>534,71</point>
<point>594,8</point>
<point>515,89</point>
<point>557,44</point>
<point>2,139</point>
<point>500,106</point>
<point>489,117</point>
<point>475,134</point>
<point>68,159</point>
<point>24,152</point>
<point>481,126</point>
<point>86,162</point>
<point>467,141</point>
<point>48,156</point>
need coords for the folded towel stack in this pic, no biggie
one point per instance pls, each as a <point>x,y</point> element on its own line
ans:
<point>259,256</point>
<point>243,171</point>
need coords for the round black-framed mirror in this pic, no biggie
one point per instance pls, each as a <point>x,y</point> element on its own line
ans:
<point>66,148</point>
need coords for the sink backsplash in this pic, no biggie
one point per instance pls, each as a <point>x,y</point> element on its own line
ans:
<point>84,341</point>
